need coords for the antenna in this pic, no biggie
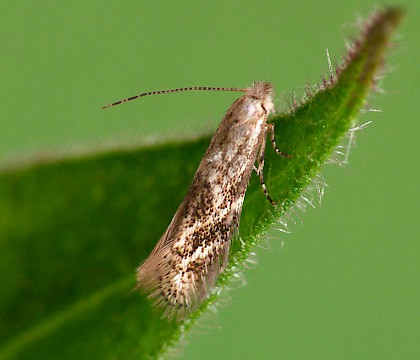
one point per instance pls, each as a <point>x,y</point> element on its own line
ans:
<point>193,88</point>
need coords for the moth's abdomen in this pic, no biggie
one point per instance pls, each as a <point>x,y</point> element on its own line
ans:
<point>179,277</point>
<point>184,266</point>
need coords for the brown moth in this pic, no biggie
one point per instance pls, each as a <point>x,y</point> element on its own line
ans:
<point>183,267</point>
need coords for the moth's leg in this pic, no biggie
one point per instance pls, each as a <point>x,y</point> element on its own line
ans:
<point>267,195</point>
<point>261,152</point>
<point>273,142</point>
<point>260,168</point>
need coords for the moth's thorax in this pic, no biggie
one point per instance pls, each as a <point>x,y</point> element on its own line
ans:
<point>236,141</point>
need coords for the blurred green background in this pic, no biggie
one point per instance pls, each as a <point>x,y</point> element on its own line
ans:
<point>346,284</point>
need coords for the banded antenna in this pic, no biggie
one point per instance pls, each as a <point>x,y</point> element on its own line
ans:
<point>193,88</point>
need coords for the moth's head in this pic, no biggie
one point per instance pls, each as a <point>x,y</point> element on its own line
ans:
<point>262,91</point>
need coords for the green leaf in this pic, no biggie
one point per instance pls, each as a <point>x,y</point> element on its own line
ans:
<point>73,230</point>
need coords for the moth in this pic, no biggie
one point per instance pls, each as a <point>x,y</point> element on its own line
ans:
<point>183,267</point>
